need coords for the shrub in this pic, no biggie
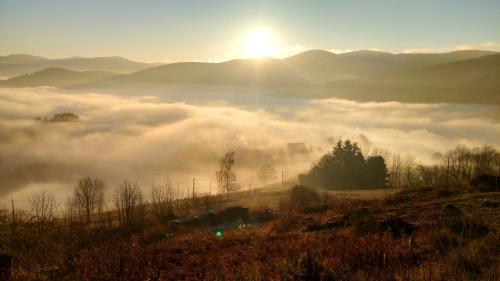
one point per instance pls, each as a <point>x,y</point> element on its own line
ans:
<point>302,196</point>
<point>444,240</point>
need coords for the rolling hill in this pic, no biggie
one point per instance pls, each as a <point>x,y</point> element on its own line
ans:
<point>319,66</point>
<point>474,80</point>
<point>19,59</point>
<point>461,76</point>
<point>14,65</point>
<point>297,72</point>
<point>262,73</point>
<point>56,77</point>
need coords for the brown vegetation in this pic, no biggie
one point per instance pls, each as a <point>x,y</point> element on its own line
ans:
<point>418,234</point>
<point>447,230</point>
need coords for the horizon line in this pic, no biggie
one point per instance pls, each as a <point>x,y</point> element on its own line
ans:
<point>257,58</point>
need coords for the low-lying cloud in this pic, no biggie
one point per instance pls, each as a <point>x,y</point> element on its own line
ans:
<point>147,139</point>
<point>485,46</point>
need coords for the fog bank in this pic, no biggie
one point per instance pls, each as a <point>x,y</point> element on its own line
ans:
<point>148,139</point>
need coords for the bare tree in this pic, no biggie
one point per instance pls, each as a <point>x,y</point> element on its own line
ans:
<point>426,175</point>
<point>226,177</point>
<point>4,215</point>
<point>463,155</point>
<point>71,211</point>
<point>460,165</point>
<point>162,199</point>
<point>128,200</point>
<point>409,164</point>
<point>88,198</point>
<point>396,170</point>
<point>42,209</point>
<point>484,159</point>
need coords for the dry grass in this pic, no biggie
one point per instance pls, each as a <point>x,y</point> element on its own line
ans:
<point>335,238</point>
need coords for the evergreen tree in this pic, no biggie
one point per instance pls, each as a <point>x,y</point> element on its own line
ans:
<point>376,171</point>
<point>345,167</point>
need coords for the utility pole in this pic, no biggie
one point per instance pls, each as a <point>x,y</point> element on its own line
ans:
<point>13,217</point>
<point>210,184</point>
<point>282,177</point>
<point>194,182</point>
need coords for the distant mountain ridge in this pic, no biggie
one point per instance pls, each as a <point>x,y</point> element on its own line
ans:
<point>460,76</point>
<point>475,80</point>
<point>20,64</point>
<point>314,67</point>
<point>19,58</point>
<point>322,66</point>
<point>265,73</point>
<point>58,77</point>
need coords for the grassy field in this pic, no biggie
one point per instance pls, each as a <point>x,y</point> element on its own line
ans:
<point>424,234</point>
<point>271,195</point>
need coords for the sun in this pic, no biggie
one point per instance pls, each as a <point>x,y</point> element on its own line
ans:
<point>258,44</point>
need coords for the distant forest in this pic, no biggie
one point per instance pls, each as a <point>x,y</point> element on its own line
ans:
<point>346,168</point>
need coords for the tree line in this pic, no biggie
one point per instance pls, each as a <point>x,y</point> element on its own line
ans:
<point>128,205</point>
<point>456,166</point>
<point>346,167</point>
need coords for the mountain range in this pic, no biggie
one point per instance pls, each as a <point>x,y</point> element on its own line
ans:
<point>20,64</point>
<point>474,80</point>
<point>460,76</point>
<point>57,77</point>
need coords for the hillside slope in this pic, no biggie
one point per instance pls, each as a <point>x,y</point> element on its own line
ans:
<point>15,65</point>
<point>471,81</point>
<point>56,77</point>
<point>19,59</point>
<point>319,67</point>
<point>235,74</point>
<point>462,76</point>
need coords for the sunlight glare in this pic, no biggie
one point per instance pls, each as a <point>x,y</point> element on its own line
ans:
<point>258,44</point>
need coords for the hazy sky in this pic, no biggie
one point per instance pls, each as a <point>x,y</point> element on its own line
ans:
<point>166,31</point>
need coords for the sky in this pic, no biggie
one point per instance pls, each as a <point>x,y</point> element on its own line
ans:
<point>169,31</point>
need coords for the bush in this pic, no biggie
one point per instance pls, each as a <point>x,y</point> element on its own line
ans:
<point>485,183</point>
<point>302,196</point>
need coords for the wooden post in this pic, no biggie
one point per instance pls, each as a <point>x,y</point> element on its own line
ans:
<point>13,217</point>
<point>194,180</point>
